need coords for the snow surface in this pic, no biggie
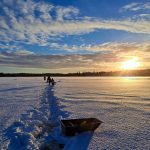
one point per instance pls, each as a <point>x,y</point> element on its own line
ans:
<point>31,110</point>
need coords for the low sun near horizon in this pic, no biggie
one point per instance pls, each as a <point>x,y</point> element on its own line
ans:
<point>131,64</point>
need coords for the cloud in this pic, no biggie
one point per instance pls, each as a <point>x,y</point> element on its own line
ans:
<point>136,6</point>
<point>121,47</point>
<point>141,16</point>
<point>31,21</point>
<point>16,53</point>
<point>105,47</point>
<point>108,56</point>
<point>40,23</point>
<point>17,59</point>
<point>66,13</point>
<point>23,52</point>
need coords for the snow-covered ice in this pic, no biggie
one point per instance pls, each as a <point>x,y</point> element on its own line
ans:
<point>17,95</point>
<point>30,111</point>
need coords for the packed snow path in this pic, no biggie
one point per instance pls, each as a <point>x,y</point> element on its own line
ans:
<point>39,128</point>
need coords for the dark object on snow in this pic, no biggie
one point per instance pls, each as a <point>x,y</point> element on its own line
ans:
<point>44,78</point>
<point>53,82</point>
<point>72,127</point>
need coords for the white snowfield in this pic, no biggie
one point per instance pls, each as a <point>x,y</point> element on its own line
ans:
<point>31,110</point>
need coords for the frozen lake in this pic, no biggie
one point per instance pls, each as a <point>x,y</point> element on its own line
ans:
<point>123,104</point>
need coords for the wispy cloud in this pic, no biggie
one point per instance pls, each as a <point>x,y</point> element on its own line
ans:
<point>66,13</point>
<point>23,52</point>
<point>110,46</point>
<point>39,23</point>
<point>110,54</point>
<point>136,6</point>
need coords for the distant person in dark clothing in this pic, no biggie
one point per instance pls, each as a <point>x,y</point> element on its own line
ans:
<point>53,82</point>
<point>49,80</point>
<point>44,78</point>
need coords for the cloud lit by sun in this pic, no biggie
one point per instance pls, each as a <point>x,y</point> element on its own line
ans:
<point>131,64</point>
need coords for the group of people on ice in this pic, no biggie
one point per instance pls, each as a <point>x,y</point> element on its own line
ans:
<point>49,80</point>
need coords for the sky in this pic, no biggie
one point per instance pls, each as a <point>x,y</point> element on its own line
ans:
<point>64,36</point>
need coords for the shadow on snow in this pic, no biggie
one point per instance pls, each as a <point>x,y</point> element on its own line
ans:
<point>39,128</point>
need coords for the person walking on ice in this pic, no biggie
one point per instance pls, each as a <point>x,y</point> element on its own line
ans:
<point>49,80</point>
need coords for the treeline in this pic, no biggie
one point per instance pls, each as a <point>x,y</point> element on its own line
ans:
<point>81,74</point>
<point>114,73</point>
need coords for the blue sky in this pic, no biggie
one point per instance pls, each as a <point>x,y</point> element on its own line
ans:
<point>73,35</point>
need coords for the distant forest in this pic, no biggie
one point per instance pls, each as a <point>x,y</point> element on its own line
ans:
<point>82,74</point>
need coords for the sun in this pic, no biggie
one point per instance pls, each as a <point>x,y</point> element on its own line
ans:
<point>130,64</point>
